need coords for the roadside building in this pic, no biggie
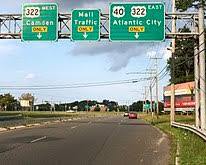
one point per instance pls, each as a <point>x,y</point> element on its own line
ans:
<point>184,97</point>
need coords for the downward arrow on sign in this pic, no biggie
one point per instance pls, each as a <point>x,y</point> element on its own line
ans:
<point>136,35</point>
<point>85,35</point>
<point>39,36</point>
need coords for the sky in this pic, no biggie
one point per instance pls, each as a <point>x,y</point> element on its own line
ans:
<point>66,62</point>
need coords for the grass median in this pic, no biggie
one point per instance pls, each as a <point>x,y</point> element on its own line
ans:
<point>192,148</point>
<point>8,119</point>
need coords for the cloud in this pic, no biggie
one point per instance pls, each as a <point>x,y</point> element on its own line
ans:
<point>120,53</point>
<point>30,76</point>
<point>66,5</point>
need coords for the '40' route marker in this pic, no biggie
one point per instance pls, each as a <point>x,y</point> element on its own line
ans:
<point>40,21</point>
<point>85,25</point>
<point>137,21</point>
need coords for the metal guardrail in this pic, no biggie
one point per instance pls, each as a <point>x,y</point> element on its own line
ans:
<point>201,133</point>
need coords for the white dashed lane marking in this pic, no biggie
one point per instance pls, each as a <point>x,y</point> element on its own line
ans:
<point>73,127</point>
<point>36,140</point>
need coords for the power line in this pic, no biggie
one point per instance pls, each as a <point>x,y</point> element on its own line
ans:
<point>83,85</point>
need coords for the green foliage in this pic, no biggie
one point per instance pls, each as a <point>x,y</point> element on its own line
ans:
<point>97,108</point>
<point>136,106</point>
<point>8,102</point>
<point>59,107</point>
<point>112,105</point>
<point>85,105</point>
<point>43,107</point>
<point>184,60</point>
<point>183,5</point>
<point>123,108</point>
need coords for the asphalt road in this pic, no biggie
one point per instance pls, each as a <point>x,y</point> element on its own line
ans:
<point>98,141</point>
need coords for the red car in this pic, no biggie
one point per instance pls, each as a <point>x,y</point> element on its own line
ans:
<point>132,115</point>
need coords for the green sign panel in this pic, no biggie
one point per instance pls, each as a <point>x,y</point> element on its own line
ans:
<point>40,22</point>
<point>146,106</point>
<point>137,21</point>
<point>85,25</point>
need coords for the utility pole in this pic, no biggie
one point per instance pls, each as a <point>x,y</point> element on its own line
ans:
<point>151,72</point>
<point>197,78</point>
<point>65,107</point>
<point>151,106</point>
<point>157,92</point>
<point>145,94</point>
<point>172,101</point>
<point>143,102</point>
<point>128,106</point>
<point>144,97</point>
<point>202,64</point>
<point>151,102</point>
<point>157,86</point>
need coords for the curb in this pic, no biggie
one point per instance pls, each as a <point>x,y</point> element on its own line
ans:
<point>31,125</point>
<point>16,127</point>
<point>3,129</point>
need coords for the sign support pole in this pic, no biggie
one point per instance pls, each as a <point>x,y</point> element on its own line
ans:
<point>202,64</point>
<point>172,101</point>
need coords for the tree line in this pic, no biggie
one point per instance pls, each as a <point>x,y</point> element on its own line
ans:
<point>9,103</point>
<point>184,49</point>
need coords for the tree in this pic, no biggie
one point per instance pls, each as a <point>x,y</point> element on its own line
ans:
<point>97,108</point>
<point>43,107</point>
<point>6,101</point>
<point>136,106</point>
<point>27,96</point>
<point>184,51</point>
<point>112,105</point>
<point>183,5</point>
<point>184,59</point>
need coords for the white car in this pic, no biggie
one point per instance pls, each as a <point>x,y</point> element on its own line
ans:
<point>70,111</point>
<point>126,114</point>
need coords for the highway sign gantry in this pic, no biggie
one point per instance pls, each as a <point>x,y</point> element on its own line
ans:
<point>85,25</point>
<point>40,22</point>
<point>137,21</point>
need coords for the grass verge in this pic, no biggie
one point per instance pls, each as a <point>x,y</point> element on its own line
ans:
<point>192,148</point>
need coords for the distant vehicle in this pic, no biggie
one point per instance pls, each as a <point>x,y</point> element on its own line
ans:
<point>126,114</point>
<point>70,111</point>
<point>132,115</point>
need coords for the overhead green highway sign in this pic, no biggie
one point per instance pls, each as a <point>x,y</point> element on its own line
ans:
<point>137,21</point>
<point>40,22</point>
<point>85,25</point>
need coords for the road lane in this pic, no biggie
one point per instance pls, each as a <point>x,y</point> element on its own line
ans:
<point>102,141</point>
